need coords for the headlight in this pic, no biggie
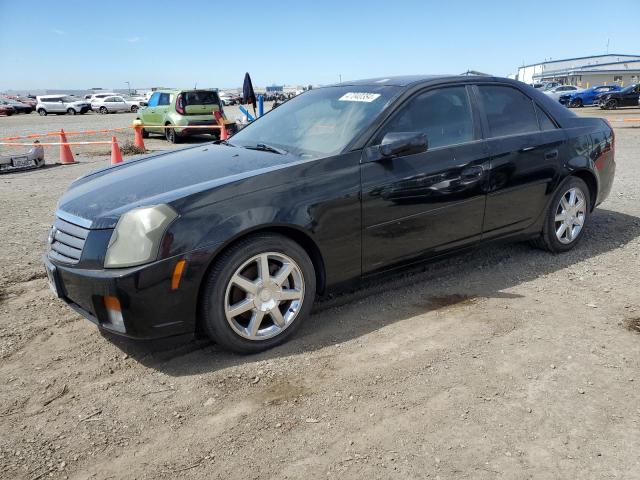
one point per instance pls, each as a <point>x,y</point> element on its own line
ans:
<point>137,236</point>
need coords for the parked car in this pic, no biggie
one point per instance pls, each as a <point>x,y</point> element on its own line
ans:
<point>27,101</point>
<point>34,158</point>
<point>338,184</point>
<point>586,97</point>
<point>627,97</point>
<point>183,109</point>
<point>91,97</point>
<point>61,104</point>
<point>227,100</point>
<point>7,110</point>
<point>19,107</point>
<point>114,104</point>
<point>556,92</point>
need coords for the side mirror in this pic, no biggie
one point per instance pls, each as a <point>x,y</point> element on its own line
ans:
<point>402,143</point>
<point>143,104</point>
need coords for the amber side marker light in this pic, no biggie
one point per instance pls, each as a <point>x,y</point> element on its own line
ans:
<point>114,313</point>
<point>177,274</point>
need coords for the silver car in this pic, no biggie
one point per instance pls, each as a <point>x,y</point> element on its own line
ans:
<point>114,104</point>
<point>61,104</point>
<point>555,92</point>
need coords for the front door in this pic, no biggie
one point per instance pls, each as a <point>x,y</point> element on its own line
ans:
<point>419,205</point>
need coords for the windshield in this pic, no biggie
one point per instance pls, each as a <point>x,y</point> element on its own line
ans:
<point>319,122</point>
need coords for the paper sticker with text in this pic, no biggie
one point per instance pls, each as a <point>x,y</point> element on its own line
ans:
<point>359,97</point>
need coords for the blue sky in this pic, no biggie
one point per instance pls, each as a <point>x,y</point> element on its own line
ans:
<point>80,44</point>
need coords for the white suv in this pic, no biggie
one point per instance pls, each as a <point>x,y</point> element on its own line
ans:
<point>61,104</point>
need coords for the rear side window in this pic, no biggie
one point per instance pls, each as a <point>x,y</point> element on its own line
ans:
<point>164,99</point>
<point>200,98</point>
<point>443,115</point>
<point>508,110</point>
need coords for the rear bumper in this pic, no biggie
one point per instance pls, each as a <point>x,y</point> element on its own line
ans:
<point>150,308</point>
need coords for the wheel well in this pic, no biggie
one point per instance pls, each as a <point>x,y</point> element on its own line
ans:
<point>591,182</point>
<point>297,236</point>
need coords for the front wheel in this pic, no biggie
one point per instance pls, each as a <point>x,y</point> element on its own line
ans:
<point>134,108</point>
<point>42,112</point>
<point>258,293</point>
<point>577,103</point>
<point>103,110</point>
<point>71,111</point>
<point>612,105</point>
<point>567,217</point>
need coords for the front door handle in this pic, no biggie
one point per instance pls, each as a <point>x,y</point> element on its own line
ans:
<point>472,172</point>
<point>551,155</point>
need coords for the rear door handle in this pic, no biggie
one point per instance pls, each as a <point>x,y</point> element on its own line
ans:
<point>551,155</point>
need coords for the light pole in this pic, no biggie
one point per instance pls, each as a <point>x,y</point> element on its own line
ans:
<point>128,87</point>
<point>340,77</point>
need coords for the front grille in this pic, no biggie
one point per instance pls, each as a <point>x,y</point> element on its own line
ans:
<point>67,241</point>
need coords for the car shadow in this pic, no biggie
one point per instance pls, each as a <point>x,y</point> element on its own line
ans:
<point>482,273</point>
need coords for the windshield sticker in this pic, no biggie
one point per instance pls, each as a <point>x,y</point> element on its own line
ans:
<point>359,97</point>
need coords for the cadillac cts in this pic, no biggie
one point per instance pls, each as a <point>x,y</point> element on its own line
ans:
<point>235,239</point>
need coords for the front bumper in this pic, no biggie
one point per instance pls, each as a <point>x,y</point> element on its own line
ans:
<point>185,131</point>
<point>149,306</point>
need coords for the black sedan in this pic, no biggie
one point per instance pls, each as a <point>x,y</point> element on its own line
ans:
<point>18,107</point>
<point>627,97</point>
<point>338,184</point>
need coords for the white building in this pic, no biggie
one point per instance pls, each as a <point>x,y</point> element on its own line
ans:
<point>585,71</point>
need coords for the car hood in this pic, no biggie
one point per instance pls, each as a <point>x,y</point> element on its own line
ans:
<point>100,198</point>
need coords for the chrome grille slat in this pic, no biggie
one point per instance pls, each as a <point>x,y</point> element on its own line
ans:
<point>67,241</point>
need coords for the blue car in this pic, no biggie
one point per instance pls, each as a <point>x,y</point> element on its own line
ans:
<point>586,97</point>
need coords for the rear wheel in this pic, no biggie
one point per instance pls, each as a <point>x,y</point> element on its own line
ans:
<point>171,135</point>
<point>42,112</point>
<point>577,103</point>
<point>145,134</point>
<point>567,217</point>
<point>258,293</point>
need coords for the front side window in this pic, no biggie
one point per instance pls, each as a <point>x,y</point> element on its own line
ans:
<point>508,110</point>
<point>153,100</point>
<point>443,115</point>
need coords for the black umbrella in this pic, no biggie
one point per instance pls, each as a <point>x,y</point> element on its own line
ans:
<point>248,95</point>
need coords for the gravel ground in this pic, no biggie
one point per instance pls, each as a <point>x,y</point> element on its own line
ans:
<point>505,363</point>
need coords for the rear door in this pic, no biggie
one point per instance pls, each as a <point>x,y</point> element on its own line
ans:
<point>419,205</point>
<point>55,105</point>
<point>119,104</point>
<point>525,146</point>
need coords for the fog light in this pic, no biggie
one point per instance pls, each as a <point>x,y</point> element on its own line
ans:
<point>114,313</point>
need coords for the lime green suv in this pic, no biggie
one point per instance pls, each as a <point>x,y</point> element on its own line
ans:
<point>183,110</point>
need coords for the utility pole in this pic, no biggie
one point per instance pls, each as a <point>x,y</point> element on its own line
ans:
<point>608,46</point>
<point>128,87</point>
<point>340,77</point>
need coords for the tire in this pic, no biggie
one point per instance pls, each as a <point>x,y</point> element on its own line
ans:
<point>220,292</point>
<point>145,134</point>
<point>71,111</point>
<point>103,110</point>
<point>171,135</point>
<point>42,112</point>
<point>550,240</point>
<point>577,103</point>
<point>134,108</point>
<point>612,104</point>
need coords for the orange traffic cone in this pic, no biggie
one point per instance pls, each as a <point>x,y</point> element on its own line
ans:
<point>116,156</point>
<point>139,141</point>
<point>224,135</point>
<point>66,157</point>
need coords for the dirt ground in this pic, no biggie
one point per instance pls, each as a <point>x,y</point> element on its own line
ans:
<point>504,363</point>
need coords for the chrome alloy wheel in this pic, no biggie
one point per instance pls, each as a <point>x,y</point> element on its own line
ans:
<point>570,215</point>
<point>264,296</point>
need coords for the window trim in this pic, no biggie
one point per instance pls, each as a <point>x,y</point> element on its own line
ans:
<point>476,127</point>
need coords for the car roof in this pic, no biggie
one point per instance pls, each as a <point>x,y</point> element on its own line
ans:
<point>406,81</point>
